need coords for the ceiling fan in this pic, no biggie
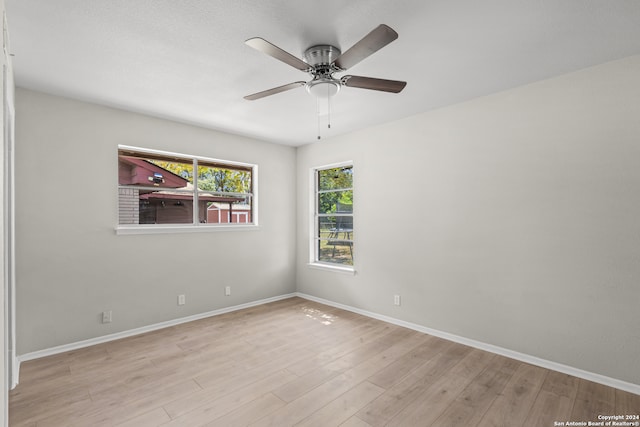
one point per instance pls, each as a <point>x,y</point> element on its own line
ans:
<point>323,61</point>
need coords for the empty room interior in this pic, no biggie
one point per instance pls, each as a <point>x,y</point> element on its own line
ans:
<point>363,213</point>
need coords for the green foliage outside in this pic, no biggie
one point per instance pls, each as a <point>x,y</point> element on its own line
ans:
<point>211,179</point>
<point>340,180</point>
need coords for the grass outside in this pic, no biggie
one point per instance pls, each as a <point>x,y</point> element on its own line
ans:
<point>338,251</point>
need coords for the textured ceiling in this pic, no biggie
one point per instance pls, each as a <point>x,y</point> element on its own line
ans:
<point>186,60</point>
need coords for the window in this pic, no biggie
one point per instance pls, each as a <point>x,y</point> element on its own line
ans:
<point>163,189</point>
<point>333,216</point>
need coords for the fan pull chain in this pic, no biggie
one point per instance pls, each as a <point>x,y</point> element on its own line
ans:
<point>328,108</point>
<point>318,113</point>
<point>320,99</point>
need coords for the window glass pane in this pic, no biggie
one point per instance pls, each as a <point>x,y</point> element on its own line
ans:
<point>335,239</point>
<point>134,170</point>
<point>344,224</point>
<point>335,251</point>
<point>335,202</point>
<point>163,207</point>
<point>224,180</point>
<point>326,225</point>
<point>335,227</point>
<point>227,210</point>
<point>335,178</point>
<point>169,197</point>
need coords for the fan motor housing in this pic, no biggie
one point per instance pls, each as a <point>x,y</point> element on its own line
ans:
<point>323,54</point>
<point>321,58</point>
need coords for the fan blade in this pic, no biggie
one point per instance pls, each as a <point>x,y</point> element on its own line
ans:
<point>394,86</point>
<point>381,36</point>
<point>274,90</point>
<point>272,50</point>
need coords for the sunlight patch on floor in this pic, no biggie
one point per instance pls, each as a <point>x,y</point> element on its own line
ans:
<point>319,315</point>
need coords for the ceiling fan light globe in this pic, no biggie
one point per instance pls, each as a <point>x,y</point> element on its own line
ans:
<point>323,88</point>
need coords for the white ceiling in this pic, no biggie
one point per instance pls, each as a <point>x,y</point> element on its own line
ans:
<point>186,60</point>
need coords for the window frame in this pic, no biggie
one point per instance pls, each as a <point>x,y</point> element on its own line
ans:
<point>195,225</point>
<point>314,190</point>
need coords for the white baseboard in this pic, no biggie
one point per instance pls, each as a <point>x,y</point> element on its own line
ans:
<point>14,370</point>
<point>125,334</point>
<point>569,370</point>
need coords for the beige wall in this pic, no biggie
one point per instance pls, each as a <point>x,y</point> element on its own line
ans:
<point>71,265</point>
<point>524,226</point>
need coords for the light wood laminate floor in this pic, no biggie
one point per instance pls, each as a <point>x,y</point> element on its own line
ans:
<point>296,362</point>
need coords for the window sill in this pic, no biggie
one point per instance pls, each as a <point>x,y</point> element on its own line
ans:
<point>171,229</point>
<point>335,268</point>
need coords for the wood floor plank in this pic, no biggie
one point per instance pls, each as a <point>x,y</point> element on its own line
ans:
<point>474,401</point>
<point>271,362</point>
<point>214,355</point>
<point>153,418</point>
<point>307,382</point>
<point>291,391</point>
<point>627,403</point>
<point>70,419</point>
<point>133,406</point>
<point>315,399</point>
<point>115,373</point>
<point>51,399</point>
<point>343,407</point>
<point>555,400</point>
<point>148,381</point>
<point>355,422</point>
<point>25,415</point>
<point>561,385</point>
<point>249,412</point>
<point>434,400</point>
<point>549,408</point>
<point>394,373</point>
<point>310,402</point>
<point>381,410</point>
<point>513,406</point>
<point>592,399</point>
<point>297,362</point>
<point>207,405</point>
<point>336,347</point>
<point>36,370</point>
<point>225,403</point>
<point>44,369</point>
<point>52,389</point>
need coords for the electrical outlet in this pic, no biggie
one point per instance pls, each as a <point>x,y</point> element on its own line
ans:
<point>181,300</point>
<point>396,300</point>
<point>106,316</point>
<point>227,290</point>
